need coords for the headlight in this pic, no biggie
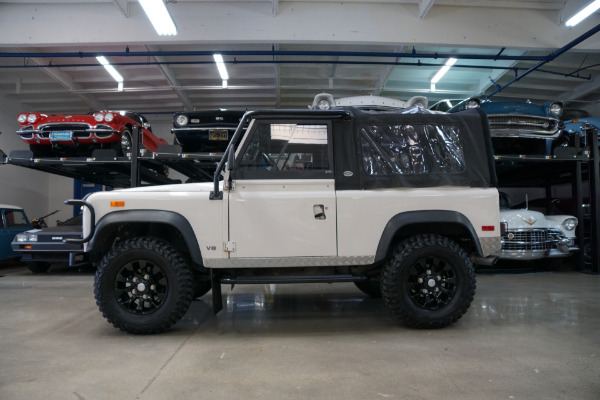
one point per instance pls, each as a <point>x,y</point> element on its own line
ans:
<point>556,109</point>
<point>570,224</point>
<point>26,237</point>
<point>99,116</point>
<point>472,104</point>
<point>22,118</point>
<point>109,117</point>
<point>323,105</point>
<point>31,118</point>
<point>181,120</point>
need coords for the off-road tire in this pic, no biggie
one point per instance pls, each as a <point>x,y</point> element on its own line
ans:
<point>137,267</point>
<point>38,267</point>
<point>371,288</point>
<point>428,281</point>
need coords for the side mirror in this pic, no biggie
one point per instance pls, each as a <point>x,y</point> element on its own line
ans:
<point>231,159</point>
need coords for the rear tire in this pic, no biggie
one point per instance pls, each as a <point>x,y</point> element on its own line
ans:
<point>143,285</point>
<point>428,282</point>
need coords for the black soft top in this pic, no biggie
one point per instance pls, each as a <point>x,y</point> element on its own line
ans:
<point>353,131</point>
<point>475,146</point>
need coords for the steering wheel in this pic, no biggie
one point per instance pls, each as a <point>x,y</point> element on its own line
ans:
<point>268,160</point>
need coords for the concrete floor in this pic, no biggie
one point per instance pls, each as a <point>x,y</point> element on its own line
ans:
<point>528,336</point>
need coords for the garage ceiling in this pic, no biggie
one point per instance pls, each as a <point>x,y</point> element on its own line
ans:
<point>281,53</point>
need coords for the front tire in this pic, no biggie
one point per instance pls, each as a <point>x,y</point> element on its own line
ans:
<point>143,285</point>
<point>428,282</point>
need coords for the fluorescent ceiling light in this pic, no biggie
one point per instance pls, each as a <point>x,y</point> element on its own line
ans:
<point>224,84</point>
<point>432,88</point>
<point>443,70</point>
<point>111,70</point>
<point>221,66</point>
<point>159,16</point>
<point>583,13</point>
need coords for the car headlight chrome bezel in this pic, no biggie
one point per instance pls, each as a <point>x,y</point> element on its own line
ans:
<point>324,104</point>
<point>22,118</point>
<point>555,109</point>
<point>108,117</point>
<point>31,118</point>
<point>569,224</point>
<point>472,103</point>
<point>181,120</point>
<point>99,117</point>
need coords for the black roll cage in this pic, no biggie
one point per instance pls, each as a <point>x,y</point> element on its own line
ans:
<point>216,194</point>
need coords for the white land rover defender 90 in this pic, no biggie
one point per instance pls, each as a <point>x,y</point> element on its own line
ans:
<point>399,202</point>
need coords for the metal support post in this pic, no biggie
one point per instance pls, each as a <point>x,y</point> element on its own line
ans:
<point>135,151</point>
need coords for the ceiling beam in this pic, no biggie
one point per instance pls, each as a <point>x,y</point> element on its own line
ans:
<point>123,6</point>
<point>424,7</point>
<point>67,82</point>
<point>173,82</point>
<point>385,74</point>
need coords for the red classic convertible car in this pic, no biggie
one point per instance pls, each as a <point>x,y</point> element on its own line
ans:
<point>78,135</point>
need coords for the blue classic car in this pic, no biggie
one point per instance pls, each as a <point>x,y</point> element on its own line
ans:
<point>579,127</point>
<point>12,221</point>
<point>516,127</point>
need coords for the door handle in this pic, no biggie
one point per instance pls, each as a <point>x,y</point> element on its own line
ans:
<point>319,211</point>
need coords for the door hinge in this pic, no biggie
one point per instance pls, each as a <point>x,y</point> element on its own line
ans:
<point>229,185</point>
<point>229,246</point>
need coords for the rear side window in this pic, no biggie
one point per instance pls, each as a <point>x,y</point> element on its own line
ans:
<point>412,149</point>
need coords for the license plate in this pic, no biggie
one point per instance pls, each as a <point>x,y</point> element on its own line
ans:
<point>61,135</point>
<point>218,134</point>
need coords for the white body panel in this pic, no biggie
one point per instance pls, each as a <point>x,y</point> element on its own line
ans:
<point>364,214</point>
<point>190,200</point>
<point>276,218</point>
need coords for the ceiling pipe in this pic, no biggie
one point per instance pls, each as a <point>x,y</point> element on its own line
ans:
<point>412,54</point>
<point>549,58</point>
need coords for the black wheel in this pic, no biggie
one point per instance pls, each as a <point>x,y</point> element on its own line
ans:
<point>126,143</point>
<point>143,285</point>
<point>428,281</point>
<point>38,267</point>
<point>372,287</point>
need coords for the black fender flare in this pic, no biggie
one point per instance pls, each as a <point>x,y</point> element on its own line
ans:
<point>171,218</point>
<point>402,220</point>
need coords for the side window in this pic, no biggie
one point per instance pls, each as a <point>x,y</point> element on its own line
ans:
<point>15,218</point>
<point>412,149</point>
<point>286,150</point>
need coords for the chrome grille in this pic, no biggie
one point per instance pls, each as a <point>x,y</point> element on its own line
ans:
<point>523,122</point>
<point>530,239</point>
<point>79,130</point>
